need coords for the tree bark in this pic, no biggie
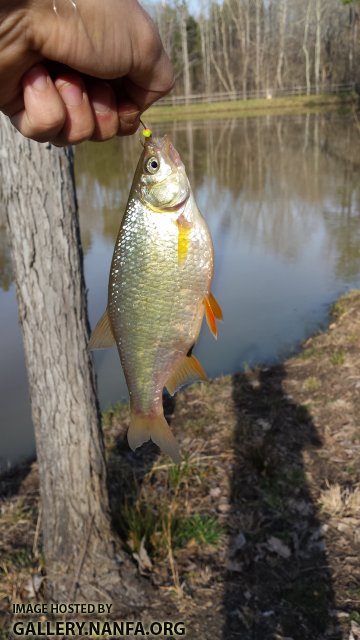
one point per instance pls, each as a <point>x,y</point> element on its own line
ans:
<point>204,53</point>
<point>258,35</point>
<point>317,44</point>
<point>225,51</point>
<point>282,43</point>
<point>185,53</point>
<point>305,49</point>
<point>38,191</point>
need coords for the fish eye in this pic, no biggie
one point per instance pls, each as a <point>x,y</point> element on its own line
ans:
<point>152,165</point>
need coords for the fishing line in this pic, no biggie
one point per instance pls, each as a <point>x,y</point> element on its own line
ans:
<point>57,9</point>
<point>146,133</point>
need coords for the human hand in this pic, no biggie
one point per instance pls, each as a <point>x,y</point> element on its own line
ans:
<point>89,76</point>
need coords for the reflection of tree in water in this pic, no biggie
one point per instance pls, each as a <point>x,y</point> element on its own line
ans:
<point>103,174</point>
<point>343,229</point>
<point>6,275</point>
<point>265,178</point>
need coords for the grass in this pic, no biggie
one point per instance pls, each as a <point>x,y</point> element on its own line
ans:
<point>204,529</point>
<point>312,353</point>
<point>338,358</point>
<point>196,426</point>
<point>312,383</point>
<point>158,517</point>
<point>238,108</point>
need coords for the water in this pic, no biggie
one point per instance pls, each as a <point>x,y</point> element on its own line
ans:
<point>282,199</point>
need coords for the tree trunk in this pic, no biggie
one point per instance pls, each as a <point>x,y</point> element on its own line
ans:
<point>317,44</point>
<point>204,53</point>
<point>356,32</point>
<point>38,191</point>
<point>225,51</point>
<point>242,33</point>
<point>282,43</point>
<point>258,35</point>
<point>185,52</point>
<point>305,49</point>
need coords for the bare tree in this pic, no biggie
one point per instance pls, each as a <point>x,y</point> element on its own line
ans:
<point>282,12</point>
<point>258,36</point>
<point>318,13</point>
<point>185,52</point>
<point>225,50</point>
<point>305,49</point>
<point>241,19</point>
<point>38,191</point>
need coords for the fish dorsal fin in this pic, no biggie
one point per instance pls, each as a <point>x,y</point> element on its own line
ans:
<point>215,308</point>
<point>102,336</point>
<point>190,370</point>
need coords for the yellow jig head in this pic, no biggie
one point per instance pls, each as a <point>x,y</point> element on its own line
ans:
<point>147,133</point>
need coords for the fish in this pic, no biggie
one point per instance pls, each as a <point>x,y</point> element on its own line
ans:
<point>159,291</point>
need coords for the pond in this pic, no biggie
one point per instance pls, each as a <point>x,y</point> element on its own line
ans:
<point>281,196</point>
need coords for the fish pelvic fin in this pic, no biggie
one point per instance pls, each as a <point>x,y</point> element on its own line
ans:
<point>102,337</point>
<point>142,428</point>
<point>190,370</point>
<point>210,316</point>
<point>216,308</point>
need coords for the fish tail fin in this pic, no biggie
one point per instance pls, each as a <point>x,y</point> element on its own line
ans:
<point>142,428</point>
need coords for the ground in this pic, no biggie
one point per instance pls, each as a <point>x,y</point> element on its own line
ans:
<point>256,535</point>
<point>253,107</point>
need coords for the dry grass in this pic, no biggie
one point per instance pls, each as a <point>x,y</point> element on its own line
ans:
<point>262,515</point>
<point>340,502</point>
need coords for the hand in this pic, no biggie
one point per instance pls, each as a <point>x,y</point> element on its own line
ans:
<point>89,76</point>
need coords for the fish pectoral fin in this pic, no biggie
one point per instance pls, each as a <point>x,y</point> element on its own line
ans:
<point>216,309</point>
<point>210,316</point>
<point>102,336</point>
<point>190,370</point>
<point>142,428</point>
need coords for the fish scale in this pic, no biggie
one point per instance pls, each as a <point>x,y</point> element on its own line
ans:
<point>159,290</point>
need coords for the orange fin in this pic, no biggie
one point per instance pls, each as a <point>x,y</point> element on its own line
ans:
<point>183,245</point>
<point>210,317</point>
<point>142,428</point>
<point>216,308</point>
<point>190,370</point>
<point>102,336</point>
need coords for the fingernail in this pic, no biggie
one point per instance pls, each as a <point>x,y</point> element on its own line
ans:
<point>102,103</point>
<point>71,94</point>
<point>37,78</point>
<point>129,118</point>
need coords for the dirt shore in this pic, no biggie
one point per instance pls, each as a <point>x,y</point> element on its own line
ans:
<point>257,534</point>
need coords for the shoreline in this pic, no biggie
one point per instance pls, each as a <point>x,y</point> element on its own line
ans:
<point>253,107</point>
<point>266,500</point>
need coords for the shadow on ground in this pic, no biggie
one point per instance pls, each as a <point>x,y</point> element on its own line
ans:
<point>278,584</point>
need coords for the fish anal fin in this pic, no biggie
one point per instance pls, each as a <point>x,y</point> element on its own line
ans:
<point>102,336</point>
<point>210,317</point>
<point>183,243</point>
<point>189,370</point>
<point>215,308</point>
<point>142,428</point>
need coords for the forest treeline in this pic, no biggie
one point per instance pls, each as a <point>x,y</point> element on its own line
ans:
<point>253,46</point>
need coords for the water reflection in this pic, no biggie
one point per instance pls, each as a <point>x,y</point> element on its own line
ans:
<point>281,197</point>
